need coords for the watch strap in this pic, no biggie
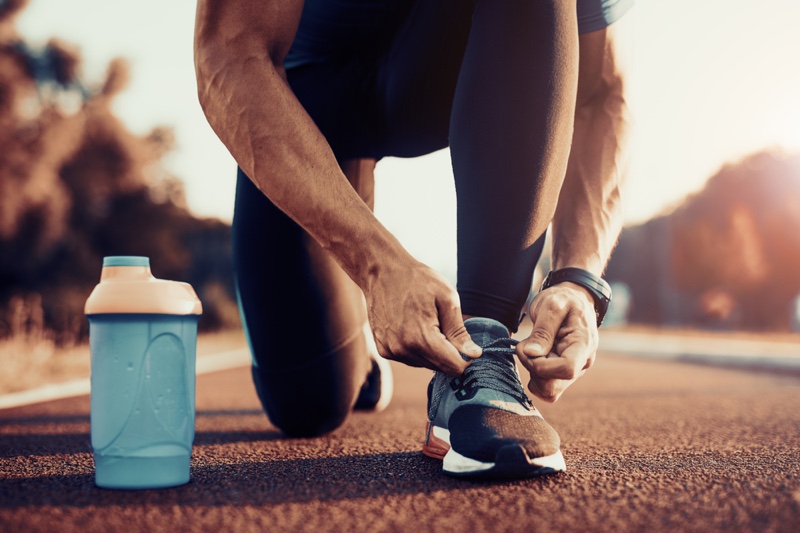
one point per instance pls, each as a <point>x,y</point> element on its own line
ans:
<point>597,287</point>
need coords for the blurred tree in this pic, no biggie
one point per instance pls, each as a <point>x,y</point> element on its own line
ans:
<point>76,185</point>
<point>728,256</point>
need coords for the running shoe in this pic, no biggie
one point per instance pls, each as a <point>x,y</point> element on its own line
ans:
<point>376,393</point>
<point>481,423</point>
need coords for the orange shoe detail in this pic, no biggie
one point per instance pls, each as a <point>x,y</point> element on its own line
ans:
<point>434,446</point>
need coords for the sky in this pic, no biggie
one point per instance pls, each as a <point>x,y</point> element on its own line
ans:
<point>711,81</point>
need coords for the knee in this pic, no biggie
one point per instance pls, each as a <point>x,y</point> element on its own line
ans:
<point>302,407</point>
<point>306,421</point>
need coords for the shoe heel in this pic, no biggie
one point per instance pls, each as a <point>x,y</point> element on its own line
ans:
<point>434,446</point>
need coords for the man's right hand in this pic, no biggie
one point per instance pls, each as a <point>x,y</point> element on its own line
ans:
<point>415,316</point>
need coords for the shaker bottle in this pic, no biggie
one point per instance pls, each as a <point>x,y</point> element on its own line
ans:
<point>143,337</point>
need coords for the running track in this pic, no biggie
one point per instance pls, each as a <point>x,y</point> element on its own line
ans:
<point>650,446</point>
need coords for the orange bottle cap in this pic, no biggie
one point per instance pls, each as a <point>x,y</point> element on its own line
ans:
<point>127,286</point>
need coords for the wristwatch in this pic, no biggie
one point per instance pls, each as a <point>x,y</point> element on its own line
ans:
<point>597,287</point>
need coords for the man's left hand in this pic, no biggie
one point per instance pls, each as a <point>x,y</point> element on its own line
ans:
<point>563,343</point>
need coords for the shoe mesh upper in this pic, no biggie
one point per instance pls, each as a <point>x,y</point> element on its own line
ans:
<point>494,370</point>
<point>487,413</point>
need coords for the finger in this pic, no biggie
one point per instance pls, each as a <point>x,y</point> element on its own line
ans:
<point>540,342</point>
<point>452,326</point>
<point>415,360</point>
<point>568,366</point>
<point>589,361</point>
<point>408,358</point>
<point>572,359</point>
<point>383,351</point>
<point>444,355</point>
<point>547,390</point>
<point>554,368</point>
<point>526,360</point>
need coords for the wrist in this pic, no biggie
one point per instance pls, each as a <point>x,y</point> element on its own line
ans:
<point>374,256</point>
<point>595,286</point>
<point>590,264</point>
<point>584,292</point>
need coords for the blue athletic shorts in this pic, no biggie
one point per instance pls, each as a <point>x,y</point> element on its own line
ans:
<point>328,27</point>
<point>595,15</point>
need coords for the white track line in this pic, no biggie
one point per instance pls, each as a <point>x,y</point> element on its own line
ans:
<point>715,350</point>
<point>80,387</point>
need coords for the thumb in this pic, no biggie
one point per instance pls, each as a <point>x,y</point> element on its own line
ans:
<point>540,342</point>
<point>453,328</point>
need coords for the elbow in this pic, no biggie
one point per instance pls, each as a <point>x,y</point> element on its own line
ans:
<point>216,68</point>
<point>221,67</point>
<point>614,98</point>
<point>608,94</point>
<point>203,69</point>
<point>204,89</point>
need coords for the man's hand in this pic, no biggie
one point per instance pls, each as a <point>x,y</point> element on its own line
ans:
<point>563,343</point>
<point>415,316</point>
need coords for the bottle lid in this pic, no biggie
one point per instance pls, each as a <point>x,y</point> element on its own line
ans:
<point>128,287</point>
<point>126,261</point>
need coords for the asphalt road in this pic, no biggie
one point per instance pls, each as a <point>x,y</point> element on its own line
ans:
<point>650,446</point>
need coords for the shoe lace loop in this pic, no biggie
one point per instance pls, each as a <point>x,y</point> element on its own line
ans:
<point>495,370</point>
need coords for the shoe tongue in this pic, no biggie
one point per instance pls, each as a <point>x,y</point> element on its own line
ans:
<point>484,331</point>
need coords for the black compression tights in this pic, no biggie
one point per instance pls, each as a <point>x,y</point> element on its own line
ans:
<point>495,80</point>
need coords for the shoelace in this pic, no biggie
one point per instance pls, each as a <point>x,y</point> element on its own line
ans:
<point>494,370</point>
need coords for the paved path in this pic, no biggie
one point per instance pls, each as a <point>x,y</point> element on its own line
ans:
<point>650,446</point>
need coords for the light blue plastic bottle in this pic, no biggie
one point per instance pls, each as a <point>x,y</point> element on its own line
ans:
<point>143,337</point>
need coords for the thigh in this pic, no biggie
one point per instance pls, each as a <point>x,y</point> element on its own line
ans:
<point>303,317</point>
<point>275,285</point>
<point>332,29</point>
<point>335,94</point>
<point>332,67</point>
<point>289,288</point>
<point>378,77</point>
<point>417,78</point>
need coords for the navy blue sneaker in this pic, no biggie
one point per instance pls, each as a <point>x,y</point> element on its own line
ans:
<point>482,424</point>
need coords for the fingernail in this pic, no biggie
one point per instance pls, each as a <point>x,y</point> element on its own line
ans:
<point>474,349</point>
<point>533,348</point>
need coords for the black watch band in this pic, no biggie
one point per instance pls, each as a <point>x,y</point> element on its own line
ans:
<point>597,287</point>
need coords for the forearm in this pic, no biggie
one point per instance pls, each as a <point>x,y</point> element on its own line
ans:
<point>250,106</point>
<point>588,217</point>
<point>587,222</point>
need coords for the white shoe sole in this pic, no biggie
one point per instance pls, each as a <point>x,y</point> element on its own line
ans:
<point>387,377</point>
<point>510,462</point>
<point>387,383</point>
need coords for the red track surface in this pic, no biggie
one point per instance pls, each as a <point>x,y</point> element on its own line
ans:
<point>650,446</point>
